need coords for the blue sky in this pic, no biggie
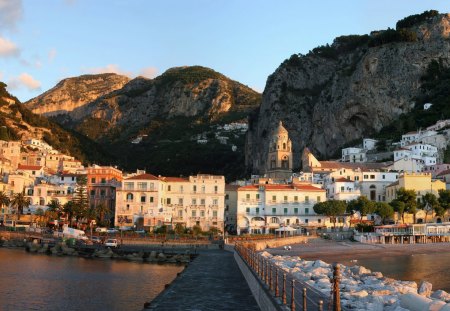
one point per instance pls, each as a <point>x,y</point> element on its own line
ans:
<point>42,42</point>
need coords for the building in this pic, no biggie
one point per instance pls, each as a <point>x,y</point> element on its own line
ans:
<point>421,183</point>
<point>11,151</point>
<point>266,207</point>
<point>32,170</point>
<point>343,189</point>
<point>369,143</point>
<point>139,202</point>
<point>373,184</point>
<point>279,158</point>
<point>353,154</point>
<point>231,208</point>
<point>102,182</point>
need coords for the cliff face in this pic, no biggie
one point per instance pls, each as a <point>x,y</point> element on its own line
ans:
<point>334,95</point>
<point>72,93</point>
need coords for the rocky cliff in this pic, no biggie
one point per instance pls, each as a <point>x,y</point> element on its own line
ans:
<point>351,89</point>
<point>19,123</point>
<point>72,93</point>
<point>169,113</point>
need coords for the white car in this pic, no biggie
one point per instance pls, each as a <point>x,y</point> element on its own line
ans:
<point>111,243</point>
<point>101,229</point>
<point>112,230</point>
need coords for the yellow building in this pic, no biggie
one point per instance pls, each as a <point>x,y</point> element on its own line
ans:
<point>421,183</point>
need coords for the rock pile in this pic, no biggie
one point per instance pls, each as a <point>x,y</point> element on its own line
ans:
<point>362,289</point>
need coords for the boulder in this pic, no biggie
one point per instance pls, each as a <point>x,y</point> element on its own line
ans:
<point>441,295</point>
<point>425,288</point>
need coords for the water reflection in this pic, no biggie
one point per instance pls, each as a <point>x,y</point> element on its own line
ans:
<point>433,268</point>
<point>38,282</point>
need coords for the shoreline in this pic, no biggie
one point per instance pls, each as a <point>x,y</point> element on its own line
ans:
<point>343,251</point>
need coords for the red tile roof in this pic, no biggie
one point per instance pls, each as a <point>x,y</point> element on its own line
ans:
<point>275,187</point>
<point>143,176</point>
<point>343,180</point>
<point>29,167</point>
<point>174,179</point>
<point>443,173</point>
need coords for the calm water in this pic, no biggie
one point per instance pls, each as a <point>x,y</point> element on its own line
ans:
<point>40,282</point>
<point>434,268</point>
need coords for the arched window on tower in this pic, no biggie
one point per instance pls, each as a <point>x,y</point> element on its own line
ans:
<point>285,162</point>
<point>284,146</point>
<point>273,163</point>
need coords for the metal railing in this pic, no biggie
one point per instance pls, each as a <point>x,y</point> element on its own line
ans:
<point>290,292</point>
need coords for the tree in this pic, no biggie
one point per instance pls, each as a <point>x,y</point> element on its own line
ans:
<point>444,199</point>
<point>20,202</point>
<point>179,229</point>
<point>430,203</point>
<point>69,210</point>
<point>332,209</point>
<point>384,210</point>
<point>55,206</point>
<point>399,207</point>
<point>80,198</point>
<point>362,205</point>
<point>196,230</point>
<point>40,215</point>
<point>102,210</point>
<point>4,199</point>
<point>409,198</point>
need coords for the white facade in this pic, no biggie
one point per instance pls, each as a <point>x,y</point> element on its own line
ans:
<point>343,189</point>
<point>353,155</point>
<point>373,184</point>
<point>369,143</point>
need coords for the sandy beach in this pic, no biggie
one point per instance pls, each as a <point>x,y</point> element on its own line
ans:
<point>343,251</point>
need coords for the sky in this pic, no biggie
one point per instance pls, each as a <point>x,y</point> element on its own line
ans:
<point>45,41</point>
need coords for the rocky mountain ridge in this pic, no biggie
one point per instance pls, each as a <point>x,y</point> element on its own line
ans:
<point>351,89</point>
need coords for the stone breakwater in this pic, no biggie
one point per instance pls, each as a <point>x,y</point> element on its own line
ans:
<point>361,289</point>
<point>62,249</point>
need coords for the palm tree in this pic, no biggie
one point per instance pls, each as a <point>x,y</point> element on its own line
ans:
<point>39,214</point>
<point>19,201</point>
<point>4,201</point>
<point>69,210</point>
<point>55,206</point>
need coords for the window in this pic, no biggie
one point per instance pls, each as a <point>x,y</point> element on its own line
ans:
<point>319,220</point>
<point>151,199</point>
<point>194,188</point>
<point>203,189</point>
<point>288,221</point>
<point>142,185</point>
<point>180,213</point>
<point>356,178</point>
<point>128,207</point>
<point>257,210</point>
<point>181,189</point>
<point>180,201</point>
<point>202,201</point>
<point>247,196</point>
<point>152,186</point>
<point>216,189</point>
<point>383,176</point>
<point>129,197</point>
<point>306,210</point>
<point>285,199</point>
<point>202,213</point>
<point>93,180</point>
<point>194,201</point>
<point>306,199</point>
<point>215,202</point>
<point>274,198</point>
<point>295,199</point>
<point>214,213</point>
<point>102,192</point>
<point>372,176</point>
<point>194,213</point>
<point>142,198</point>
<point>129,186</point>
<point>366,176</point>
<point>274,210</point>
<point>169,201</point>
<point>306,220</point>
<point>103,180</point>
<point>257,196</point>
<point>318,198</point>
<point>247,210</point>
<point>227,197</point>
<point>92,192</point>
<point>285,211</point>
<point>296,210</point>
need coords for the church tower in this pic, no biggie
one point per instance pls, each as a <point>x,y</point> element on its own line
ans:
<point>279,161</point>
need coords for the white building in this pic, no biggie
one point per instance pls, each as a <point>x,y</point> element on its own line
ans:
<point>353,154</point>
<point>369,143</point>
<point>342,189</point>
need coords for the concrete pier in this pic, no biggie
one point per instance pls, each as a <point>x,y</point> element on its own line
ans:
<point>212,281</point>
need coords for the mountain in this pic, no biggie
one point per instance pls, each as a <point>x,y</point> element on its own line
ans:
<point>350,89</point>
<point>168,114</point>
<point>20,123</point>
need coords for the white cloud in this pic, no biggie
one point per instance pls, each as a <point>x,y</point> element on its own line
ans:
<point>51,55</point>
<point>148,72</point>
<point>24,80</point>
<point>11,12</point>
<point>8,48</point>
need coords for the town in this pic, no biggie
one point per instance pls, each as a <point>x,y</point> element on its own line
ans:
<point>397,188</point>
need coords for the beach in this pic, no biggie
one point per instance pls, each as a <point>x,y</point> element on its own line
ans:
<point>344,251</point>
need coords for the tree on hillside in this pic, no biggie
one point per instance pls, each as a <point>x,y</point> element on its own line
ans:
<point>20,202</point>
<point>430,204</point>
<point>332,209</point>
<point>399,207</point>
<point>384,210</point>
<point>408,197</point>
<point>362,205</point>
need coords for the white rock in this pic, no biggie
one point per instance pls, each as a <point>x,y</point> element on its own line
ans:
<point>441,295</point>
<point>360,294</point>
<point>425,288</point>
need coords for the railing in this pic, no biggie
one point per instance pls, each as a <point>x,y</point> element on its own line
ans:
<point>293,294</point>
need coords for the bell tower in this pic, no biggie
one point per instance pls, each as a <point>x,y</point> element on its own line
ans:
<point>279,161</point>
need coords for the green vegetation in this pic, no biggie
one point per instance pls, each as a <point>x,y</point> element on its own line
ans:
<point>331,208</point>
<point>188,75</point>
<point>391,35</point>
<point>416,19</point>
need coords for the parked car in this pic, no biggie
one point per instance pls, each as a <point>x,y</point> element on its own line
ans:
<point>112,230</point>
<point>112,243</point>
<point>101,229</point>
<point>140,231</point>
<point>97,240</point>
